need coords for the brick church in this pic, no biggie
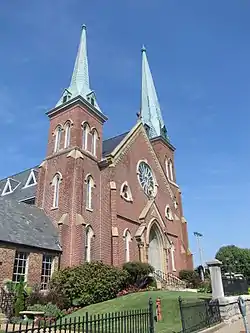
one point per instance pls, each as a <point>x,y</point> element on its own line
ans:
<point>114,200</point>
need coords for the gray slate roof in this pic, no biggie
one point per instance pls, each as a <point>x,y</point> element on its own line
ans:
<point>26,225</point>
<point>18,182</point>
<point>110,144</point>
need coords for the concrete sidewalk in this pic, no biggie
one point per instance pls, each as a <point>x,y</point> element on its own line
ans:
<point>236,327</point>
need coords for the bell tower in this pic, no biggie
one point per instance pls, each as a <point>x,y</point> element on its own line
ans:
<point>68,181</point>
<point>151,117</point>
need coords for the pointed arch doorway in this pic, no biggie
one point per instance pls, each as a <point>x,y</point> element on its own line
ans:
<point>156,248</point>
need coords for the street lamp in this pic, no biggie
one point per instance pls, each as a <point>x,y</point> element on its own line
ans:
<point>198,236</point>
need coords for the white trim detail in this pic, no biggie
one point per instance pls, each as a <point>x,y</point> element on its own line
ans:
<point>32,178</point>
<point>125,192</point>
<point>8,188</point>
<point>58,134</point>
<point>89,234</point>
<point>90,184</point>
<point>168,213</point>
<point>85,134</point>
<point>95,137</point>
<point>153,176</point>
<point>171,174</point>
<point>128,239</point>
<point>67,127</point>
<point>57,179</point>
<point>172,251</point>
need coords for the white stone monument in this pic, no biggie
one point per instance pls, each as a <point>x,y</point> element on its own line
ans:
<point>216,279</point>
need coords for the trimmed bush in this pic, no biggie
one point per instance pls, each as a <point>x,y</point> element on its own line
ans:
<point>89,283</point>
<point>191,277</point>
<point>50,310</point>
<point>20,298</point>
<point>138,272</point>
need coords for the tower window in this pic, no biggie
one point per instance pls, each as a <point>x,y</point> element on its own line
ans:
<point>56,183</point>
<point>88,246</point>
<point>171,174</point>
<point>85,135</point>
<point>58,138</point>
<point>94,141</point>
<point>65,98</point>
<point>67,134</point>
<point>89,191</point>
<point>92,101</point>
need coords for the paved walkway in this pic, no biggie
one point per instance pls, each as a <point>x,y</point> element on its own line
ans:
<point>236,327</point>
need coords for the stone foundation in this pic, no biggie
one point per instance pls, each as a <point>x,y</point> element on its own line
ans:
<point>229,308</point>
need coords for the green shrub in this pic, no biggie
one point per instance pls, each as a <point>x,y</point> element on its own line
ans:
<point>89,283</point>
<point>205,287</point>
<point>191,277</point>
<point>20,298</point>
<point>51,296</point>
<point>137,271</point>
<point>50,310</point>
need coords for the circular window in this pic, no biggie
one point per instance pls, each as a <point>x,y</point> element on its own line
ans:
<point>146,179</point>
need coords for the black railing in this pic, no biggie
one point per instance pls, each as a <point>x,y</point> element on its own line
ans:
<point>199,314</point>
<point>234,286</point>
<point>133,321</point>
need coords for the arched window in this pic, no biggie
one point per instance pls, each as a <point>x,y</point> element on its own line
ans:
<point>172,254</point>
<point>127,240</point>
<point>88,237</point>
<point>58,134</point>
<point>67,134</point>
<point>89,191</point>
<point>125,192</point>
<point>171,175</point>
<point>85,134</point>
<point>167,168</point>
<point>56,184</point>
<point>94,141</point>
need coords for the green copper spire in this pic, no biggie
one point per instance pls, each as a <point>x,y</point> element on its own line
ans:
<point>150,114</point>
<point>79,85</point>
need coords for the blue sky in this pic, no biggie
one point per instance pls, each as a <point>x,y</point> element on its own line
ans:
<point>199,53</point>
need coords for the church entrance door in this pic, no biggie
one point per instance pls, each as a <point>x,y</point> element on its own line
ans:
<point>155,248</point>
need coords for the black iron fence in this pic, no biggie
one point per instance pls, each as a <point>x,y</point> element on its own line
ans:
<point>133,321</point>
<point>235,286</point>
<point>199,314</point>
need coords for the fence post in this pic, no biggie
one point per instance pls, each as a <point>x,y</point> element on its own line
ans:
<point>207,313</point>
<point>182,315</point>
<point>151,316</point>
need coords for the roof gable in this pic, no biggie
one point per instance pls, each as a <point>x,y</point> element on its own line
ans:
<point>17,185</point>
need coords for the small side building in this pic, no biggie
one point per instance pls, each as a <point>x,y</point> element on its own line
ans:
<point>29,244</point>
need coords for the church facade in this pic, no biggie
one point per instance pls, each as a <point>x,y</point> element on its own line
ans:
<point>114,200</point>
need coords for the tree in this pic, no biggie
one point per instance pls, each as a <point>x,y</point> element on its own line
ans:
<point>234,259</point>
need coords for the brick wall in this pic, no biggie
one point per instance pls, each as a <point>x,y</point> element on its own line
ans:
<point>111,214</point>
<point>7,258</point>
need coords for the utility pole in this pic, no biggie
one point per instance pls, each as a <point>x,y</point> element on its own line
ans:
<point>198,236</point>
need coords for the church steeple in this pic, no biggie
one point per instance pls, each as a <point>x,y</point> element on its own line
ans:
<point>79,85</point>
<point>150,113</point>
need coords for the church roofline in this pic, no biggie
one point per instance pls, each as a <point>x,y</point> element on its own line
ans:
<point>73,102</point>
<point>164,141</point>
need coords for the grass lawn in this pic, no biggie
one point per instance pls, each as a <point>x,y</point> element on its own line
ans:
<point>169,303</point>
